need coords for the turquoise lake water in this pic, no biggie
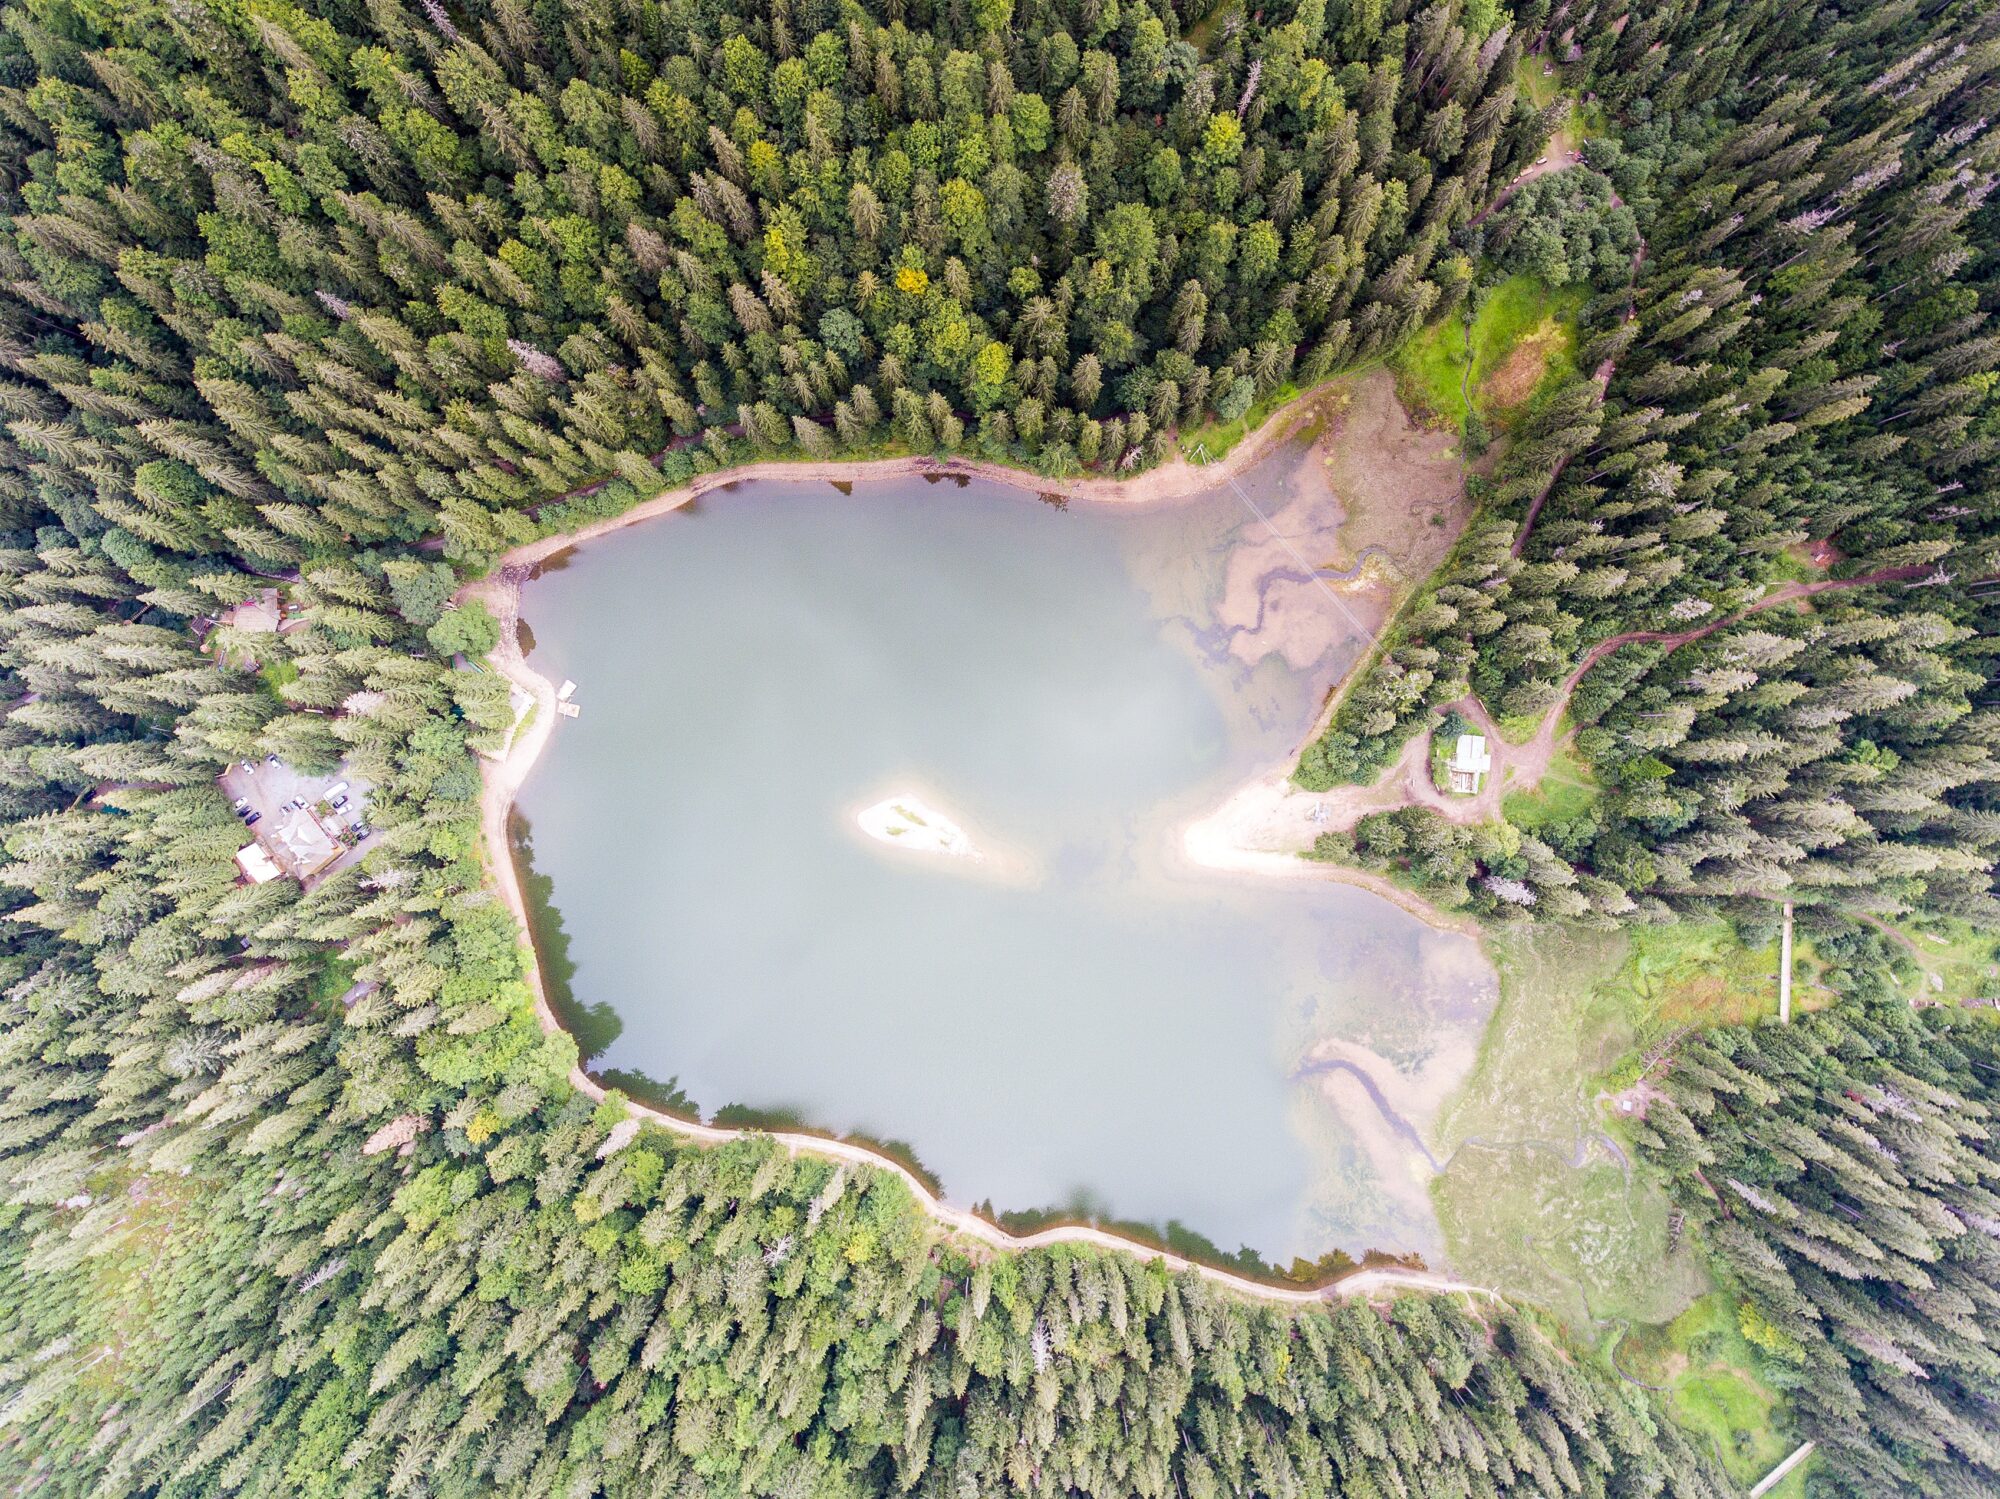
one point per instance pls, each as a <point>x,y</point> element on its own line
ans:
<point>1120,1035</point>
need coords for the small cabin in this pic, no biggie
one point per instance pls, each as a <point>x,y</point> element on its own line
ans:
<point>263,613</point>
<point>1470,761</point>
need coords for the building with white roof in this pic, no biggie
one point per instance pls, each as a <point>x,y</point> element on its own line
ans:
<point>1470,762</point>
<point>256,863</point>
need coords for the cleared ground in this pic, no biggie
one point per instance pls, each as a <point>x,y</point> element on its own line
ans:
<point>1945,962</point>
<point>1521,335</point>
<point>294,835</point>
<point>1565,792</point>
<point>1543,1196</point>
<point>1539,1199</point>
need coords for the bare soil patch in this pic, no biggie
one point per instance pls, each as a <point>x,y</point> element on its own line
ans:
<point>1516,379</point>
<point>1399,483</point>
<point>1369,509</point>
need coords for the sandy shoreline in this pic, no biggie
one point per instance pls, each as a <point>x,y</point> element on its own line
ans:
<point>1206,842</point>
<point>1237,837</point>
<point>1172,480</point>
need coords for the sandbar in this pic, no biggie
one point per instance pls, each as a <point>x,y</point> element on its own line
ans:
<point>908,822</point>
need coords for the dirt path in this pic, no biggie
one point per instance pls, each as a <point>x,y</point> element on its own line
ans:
<point>1238,837</point>
<point>1784,593</point>
<point>1266,824</point>
<point>1561,157</point>
<point>1602,375</point>
<point>1526,764</point>
<point>1930,987</point>
<point>500,591</point>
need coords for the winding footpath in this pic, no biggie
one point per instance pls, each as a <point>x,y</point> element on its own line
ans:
<point>1531,759</point>
<point>1528,762</point>
<point>500,591</point>
<point>1266,824</point>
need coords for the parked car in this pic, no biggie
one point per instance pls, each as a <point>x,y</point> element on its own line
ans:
<point>270,759</point>
<point>250,767</point>
<point>338,802</point>
<point>242,804</point>
<point>251,820</point>
<point>337,792</point>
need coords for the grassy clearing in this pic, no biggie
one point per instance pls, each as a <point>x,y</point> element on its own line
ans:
<point>524,723</point>
<point>1567,791</point>
<point>1521,335</point>
<point>1589,1241</point>
<point>131,1271</point>
<point>278,675</point>
<point>1698,976</point>
<point>1518,728</point>
<point>1430,372</point>
<point>1947,962</point>
<point>1718,1390</point>
<point>1203,35</point>
<point>1596,1242</point>
<point>1585,122</point>
<point>1521,315</point>
<point>1219,437</point>
<point>334,978</point>
<point>1441,751</point>
<point>1789,566</point>
<point>1540,83</point>
<point>1577,1011</point>
<point>1539,86</point>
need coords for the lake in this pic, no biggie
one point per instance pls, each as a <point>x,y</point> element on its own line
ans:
<point>1116,1034</point>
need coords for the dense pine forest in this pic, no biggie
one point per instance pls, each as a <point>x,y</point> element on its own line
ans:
<point>1847,1169</point>
<point>345,299</point>
<point>1799,360</point>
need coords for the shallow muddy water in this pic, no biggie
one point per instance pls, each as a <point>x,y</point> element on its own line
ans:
<point>1109,1030</point>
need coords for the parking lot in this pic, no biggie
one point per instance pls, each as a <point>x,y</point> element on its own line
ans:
<point>297,823</point>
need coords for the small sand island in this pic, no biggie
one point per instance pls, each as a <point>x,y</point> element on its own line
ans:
<point>908,822</point>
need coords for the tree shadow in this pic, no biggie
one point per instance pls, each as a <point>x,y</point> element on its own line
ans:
<point>642,1087</point>
<point>594,1027</point>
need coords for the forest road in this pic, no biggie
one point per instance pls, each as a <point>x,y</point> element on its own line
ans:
<point>1522,766</point>
<point>1268,823</point>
